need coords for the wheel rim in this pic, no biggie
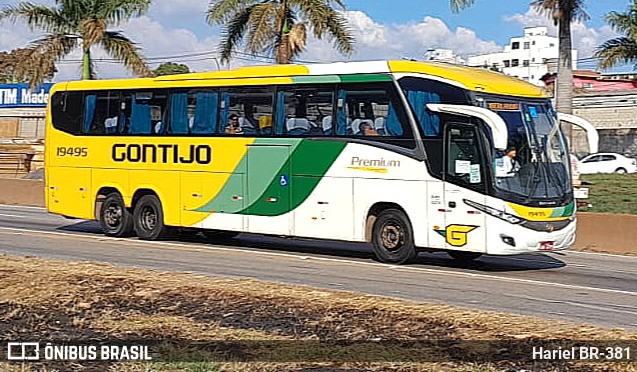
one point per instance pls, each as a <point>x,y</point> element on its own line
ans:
<point>621,171</point>
<point>113,215</point>
<point>392,235</point>
<point>148,218</point>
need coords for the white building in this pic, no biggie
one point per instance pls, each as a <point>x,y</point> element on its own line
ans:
<point>525,57</point>
<point>443,55</point>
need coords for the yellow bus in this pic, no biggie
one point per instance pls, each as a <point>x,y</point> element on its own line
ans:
<point>409,156</point>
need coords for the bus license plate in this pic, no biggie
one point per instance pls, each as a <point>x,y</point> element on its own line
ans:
<point>546,246</point>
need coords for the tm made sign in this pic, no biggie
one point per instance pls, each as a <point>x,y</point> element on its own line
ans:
<point>19,95</point>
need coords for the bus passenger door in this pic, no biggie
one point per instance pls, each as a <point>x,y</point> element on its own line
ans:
<point>465,228</point>
<point>268,181</point>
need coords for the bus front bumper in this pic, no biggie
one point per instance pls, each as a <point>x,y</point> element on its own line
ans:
<point>507,239</point>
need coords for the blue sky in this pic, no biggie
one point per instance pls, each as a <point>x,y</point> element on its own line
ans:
<point>383,29</point>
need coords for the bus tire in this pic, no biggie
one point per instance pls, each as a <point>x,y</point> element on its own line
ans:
<point>149,218</point>
<point>115,219</point>
<point>219,234</point>
<point>464,255</point>
<point>393,237</point>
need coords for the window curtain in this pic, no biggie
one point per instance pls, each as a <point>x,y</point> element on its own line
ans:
<point>140,118</point>
<point>89,104</point>
<point>341,114</point>
<point>280,112</point>
<point>429,122</point>
<point>205,113</point>
<point>225,109</point>
<point>179,113</point>
<point>393,126</point>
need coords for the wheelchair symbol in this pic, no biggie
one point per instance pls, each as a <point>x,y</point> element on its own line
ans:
<point>283,181</point>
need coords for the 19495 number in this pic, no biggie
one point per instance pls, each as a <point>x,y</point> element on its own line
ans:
<point>72,151</point>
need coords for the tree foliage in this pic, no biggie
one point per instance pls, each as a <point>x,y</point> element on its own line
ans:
<point>71,24</point>
<point>20,65</point>
<point>278,27</point>
<point>562,12</point>
<point>171,68</point>
<point>621,49</point>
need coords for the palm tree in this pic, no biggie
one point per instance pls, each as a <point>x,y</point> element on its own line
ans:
<point>70,24</point>
<point>275,27</point>
<point>621,49</point>
<point>563,12</point>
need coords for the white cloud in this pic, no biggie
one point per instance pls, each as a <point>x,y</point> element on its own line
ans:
<point>378,41</point>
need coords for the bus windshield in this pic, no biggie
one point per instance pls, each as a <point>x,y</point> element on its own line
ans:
<point>535,165</point>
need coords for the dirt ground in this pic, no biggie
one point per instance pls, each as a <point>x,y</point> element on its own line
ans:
<point>596,232</point>
<point>226,324</point>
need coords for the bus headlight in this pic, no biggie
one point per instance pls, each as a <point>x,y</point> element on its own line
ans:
<point>508,217</point>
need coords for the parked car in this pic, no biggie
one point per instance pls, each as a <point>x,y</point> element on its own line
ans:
<point>607,162</point>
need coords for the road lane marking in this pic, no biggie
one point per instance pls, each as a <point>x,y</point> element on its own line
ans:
<point>11,215</point>
<point>10,206</point>
<point>175,246</point>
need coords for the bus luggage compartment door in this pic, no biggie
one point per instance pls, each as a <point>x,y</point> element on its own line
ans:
<point>69,192</point>
<point>268,182</point>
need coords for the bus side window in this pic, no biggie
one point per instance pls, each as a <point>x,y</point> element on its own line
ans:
<point>464,160</point>
<point>101,112</point>
<point>373,110</point>
<point>305,110</point>
<point>420,92</point>
<point>253,106</point>
<point>148,113</point>
<point>68,111</point>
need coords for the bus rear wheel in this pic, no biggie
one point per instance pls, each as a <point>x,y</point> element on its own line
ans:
<point>393,238</point>
<point>115,219</point>
<point>149,218</point>
<point>464,256</point>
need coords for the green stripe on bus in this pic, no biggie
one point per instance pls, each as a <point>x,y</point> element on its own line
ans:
<point>565,211</point>
<point>365,78</point>
<point>316,79</point>
<point>309,163</point>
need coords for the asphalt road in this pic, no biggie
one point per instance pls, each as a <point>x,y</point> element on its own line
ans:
<point>581,287</point>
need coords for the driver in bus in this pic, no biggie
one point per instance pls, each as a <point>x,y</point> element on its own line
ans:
<point>507,165</point>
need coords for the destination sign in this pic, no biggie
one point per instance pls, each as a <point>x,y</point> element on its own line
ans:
<point>503,106</point>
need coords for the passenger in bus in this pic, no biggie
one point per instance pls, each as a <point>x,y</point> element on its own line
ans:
<point>233,125</point>
<point>366,129</point>
<point>357,126</point>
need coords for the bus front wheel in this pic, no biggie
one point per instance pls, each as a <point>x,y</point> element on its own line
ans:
<point>393,238</point>
<point>115,219</point>
<point>149,218</point>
